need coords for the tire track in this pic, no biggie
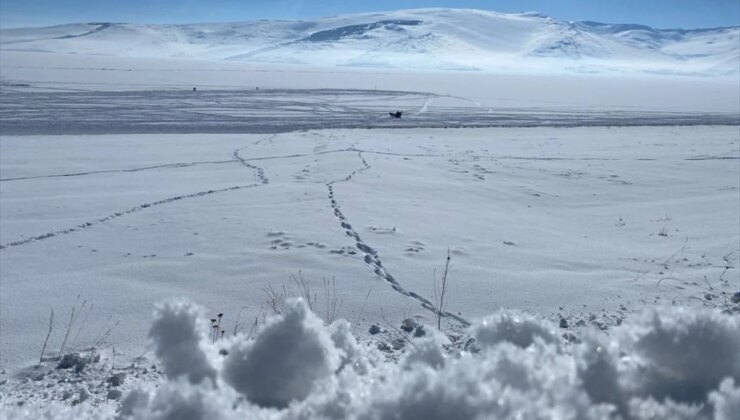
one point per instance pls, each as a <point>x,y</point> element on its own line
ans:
<point>425,107</point>
<point>116,215</point>
<point>371,257</point>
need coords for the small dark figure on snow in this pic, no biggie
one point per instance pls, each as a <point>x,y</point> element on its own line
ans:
<point>396,114</point>
<point>194,89</point>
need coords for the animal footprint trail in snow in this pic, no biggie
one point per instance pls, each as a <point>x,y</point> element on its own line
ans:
<point>128,170</point>
<point>281,241</point>
<point>259,172</point>
<point>415,247</point>
<point>371,257</point>
<point>116,215</point>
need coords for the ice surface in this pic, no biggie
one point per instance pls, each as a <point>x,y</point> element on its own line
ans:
<point>282,110</point>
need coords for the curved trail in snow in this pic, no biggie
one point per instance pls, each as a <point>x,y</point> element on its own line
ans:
<point>259,174</point>
<point>371,257</point>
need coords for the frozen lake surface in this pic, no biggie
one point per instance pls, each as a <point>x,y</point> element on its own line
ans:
<point>282,110</point>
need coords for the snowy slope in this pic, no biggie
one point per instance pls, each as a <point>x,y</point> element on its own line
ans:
<point>458,39</point>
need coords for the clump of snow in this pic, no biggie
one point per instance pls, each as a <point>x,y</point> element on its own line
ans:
<point>666,363</point>
<point>726,400</point>
<point>651,409</point>
<point>288,356</point>
<point>178,333</point>
<point>428,351</point>
<point>502,382</point>
<point>136,399</point>
<point>513,327</point>
<point>352,353</point>
<point>181,400</point>
<point>596,366</point>
<point>681,354</point>
<point>58,411</point>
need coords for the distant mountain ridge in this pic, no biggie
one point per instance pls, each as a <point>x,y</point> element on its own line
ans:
<point>442,39</point>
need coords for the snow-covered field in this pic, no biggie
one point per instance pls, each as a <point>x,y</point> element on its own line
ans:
<point>592,203</point>
<point>534,218</point>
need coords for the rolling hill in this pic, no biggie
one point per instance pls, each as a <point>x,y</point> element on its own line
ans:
<point>440,39</point>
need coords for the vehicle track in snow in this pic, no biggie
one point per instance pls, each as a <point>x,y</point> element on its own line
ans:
<point>425,107</point>
<point>371,257</point>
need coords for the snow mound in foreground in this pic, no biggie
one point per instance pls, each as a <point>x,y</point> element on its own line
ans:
<point>517,328</point>
<point>178,333</point>
<point>666,363</point>
<point>291,353</point>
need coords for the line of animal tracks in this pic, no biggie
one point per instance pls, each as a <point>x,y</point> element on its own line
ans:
<point>116,215</point>
<point>259,174</point>
<point>371,257</point>
<point>111,171</point>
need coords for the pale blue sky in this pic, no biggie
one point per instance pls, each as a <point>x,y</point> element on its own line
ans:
<point>656,13</point>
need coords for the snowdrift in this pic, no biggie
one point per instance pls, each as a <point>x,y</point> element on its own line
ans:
<point>665,363</point>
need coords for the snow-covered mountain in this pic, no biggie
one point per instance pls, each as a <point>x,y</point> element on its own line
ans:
<point>449,39</point>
